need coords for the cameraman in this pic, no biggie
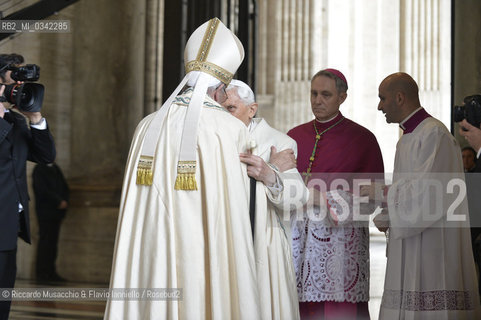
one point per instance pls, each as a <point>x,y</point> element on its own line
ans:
<point>19,142</point>
<point>473,137</point>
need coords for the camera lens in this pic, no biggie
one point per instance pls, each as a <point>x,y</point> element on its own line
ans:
<point>27,96</point>
<point>458,113</point>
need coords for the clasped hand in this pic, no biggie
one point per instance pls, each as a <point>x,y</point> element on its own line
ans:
<point>258,169</point>
<point>381,221</point>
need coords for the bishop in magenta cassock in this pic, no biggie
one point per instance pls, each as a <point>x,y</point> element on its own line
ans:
<point>332,258</point>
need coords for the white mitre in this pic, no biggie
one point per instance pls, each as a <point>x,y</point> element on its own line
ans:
<point>215,50</point>
<point>211,51</point>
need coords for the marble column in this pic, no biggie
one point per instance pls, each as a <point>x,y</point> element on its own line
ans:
<point>286,60</point>
<point>426,53</point>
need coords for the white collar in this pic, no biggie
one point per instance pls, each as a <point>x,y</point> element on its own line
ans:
<point>324,121</point>
<point>408,117</point>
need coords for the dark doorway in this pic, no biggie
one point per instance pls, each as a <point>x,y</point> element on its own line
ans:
<point>181,18</point>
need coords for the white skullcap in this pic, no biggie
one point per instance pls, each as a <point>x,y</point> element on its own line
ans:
<point>211,51</point>
<point>243,91</point>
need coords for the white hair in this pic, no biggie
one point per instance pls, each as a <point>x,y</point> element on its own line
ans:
<point>243,90</point>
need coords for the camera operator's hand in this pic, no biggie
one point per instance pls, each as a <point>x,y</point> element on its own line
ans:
<point>471,134</point>
<point>34,117</point>
<point>63,205</point>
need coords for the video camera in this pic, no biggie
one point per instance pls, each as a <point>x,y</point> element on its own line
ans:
<point>471,110</point>
<point>26,96</point>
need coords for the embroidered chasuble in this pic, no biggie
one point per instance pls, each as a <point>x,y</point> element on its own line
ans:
<point>197,241</point>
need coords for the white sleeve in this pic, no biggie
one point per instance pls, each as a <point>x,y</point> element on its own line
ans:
<point>42,125</point>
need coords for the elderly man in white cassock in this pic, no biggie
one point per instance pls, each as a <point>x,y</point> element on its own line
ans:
<point>281,190</point>
<point>184,221</point>
<point>430,271</point>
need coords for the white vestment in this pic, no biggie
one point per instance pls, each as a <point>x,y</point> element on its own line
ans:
<point>430,270</point>
<point>275,271</point>
<point>199,241</point>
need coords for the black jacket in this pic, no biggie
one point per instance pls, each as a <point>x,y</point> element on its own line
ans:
<point>50,189</point>
<point>18,144</point>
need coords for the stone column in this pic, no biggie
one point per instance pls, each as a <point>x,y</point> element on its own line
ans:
<point>108,86</point>
<point>285,61</point>
<point>154,29</point>
<point>426,53</point>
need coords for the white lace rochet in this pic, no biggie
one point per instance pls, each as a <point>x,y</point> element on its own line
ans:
<point>332,258</point>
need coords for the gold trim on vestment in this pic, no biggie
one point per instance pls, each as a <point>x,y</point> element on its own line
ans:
<point>185,176</point>
<point>200,63</point>
<point>207,41</point>
<point>144,171</point>
<point>210,68</point>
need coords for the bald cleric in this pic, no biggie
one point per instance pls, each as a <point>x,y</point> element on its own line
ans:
<point>430,271</point>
